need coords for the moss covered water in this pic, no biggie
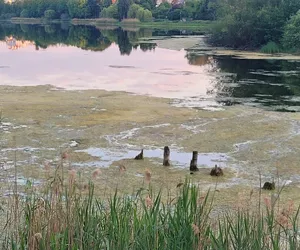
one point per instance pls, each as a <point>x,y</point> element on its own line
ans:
<point>42,122</point>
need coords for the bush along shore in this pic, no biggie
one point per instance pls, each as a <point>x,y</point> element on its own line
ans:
<point>65,213</point>
<point>272,26</point>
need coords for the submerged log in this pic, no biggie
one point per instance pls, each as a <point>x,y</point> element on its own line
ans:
<point>269,185</point>
<point>140,156</point>
<point>193,164</point>
<point>166,161</point>
<point>216,171</point>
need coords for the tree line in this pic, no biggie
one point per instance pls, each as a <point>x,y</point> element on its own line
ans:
<point>144,10</point>
<point>272,25</point>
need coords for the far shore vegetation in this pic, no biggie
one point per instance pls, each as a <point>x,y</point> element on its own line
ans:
<point>197,25</point>
<point>270,26</point>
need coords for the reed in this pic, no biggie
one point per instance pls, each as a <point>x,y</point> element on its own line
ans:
<point>65,214</point>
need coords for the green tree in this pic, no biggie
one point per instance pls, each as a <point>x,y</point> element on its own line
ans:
<point>24,13</point>
<point>79,9</point>
<point>146,4</point>
<point>291,37</point>
<point>161,11</point>
<point>252,23</point>
<point>50,14</point>
<point>133,10</point>
<point>144,15</point>
<point>110,12</point>
<point>123,7</point>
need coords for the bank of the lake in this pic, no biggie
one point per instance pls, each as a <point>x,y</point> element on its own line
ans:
<point>107,129</point>
<point>203,26</point>
<point>50,134</point>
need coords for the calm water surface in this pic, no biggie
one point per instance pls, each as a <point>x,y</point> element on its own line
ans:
<point>84,57</point>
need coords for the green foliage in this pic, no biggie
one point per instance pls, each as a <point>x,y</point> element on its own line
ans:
<point>110,12</point>
<point>176,14</point>
<point>37,8</point>
<point>78,8</point>
<point>136,11</point>
<point>105,3</point>
<point>252,23</point>
<point>270,48</point>
<point>123,7</point>
<point>291,37</point>
<point>24,13</point>
<point>50,14</point>
<point>132,12</point>
<point>192,8</point>
<point>146,4</point>
<point>161,11</point>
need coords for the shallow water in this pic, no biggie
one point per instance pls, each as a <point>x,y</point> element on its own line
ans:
<point>84,57</point>
<point>178,159</point>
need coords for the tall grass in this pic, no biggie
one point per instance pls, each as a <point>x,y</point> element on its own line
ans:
<point>68,215</point>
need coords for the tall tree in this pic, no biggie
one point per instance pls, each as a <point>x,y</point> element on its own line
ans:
<point>123,7</point>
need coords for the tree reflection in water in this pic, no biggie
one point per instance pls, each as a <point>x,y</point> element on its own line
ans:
<point>269,83</point>
<point>81,36</point>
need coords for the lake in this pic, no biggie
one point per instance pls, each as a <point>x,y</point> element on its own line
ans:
<point>103,94</point>
<point>86,57</point>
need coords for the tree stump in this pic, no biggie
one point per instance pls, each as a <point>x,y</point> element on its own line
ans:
<point>269,186</point>
<point>140,156</point>
<point>193,164</point>
<point>166,161</point>
<point>216,171</point>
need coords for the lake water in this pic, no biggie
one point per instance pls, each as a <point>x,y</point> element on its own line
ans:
<point>85,57</point>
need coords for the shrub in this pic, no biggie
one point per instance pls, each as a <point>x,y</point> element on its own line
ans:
<point>147,16</point>
<point>174,15</point>
<point>110,12</point>
<point>291,35</point>
<point>50,14</point>
<point>270,48</point>
<point>136,11</point>
<point>161,11</point>
<point>134,8</point>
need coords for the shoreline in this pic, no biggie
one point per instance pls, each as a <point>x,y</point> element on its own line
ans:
<point>191,46</point>
<point>201,26</point>
<point>115,123</point>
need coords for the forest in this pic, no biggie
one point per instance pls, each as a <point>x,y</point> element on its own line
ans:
<point>270,25</point>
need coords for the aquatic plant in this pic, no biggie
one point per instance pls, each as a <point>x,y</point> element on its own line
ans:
<point>65,213</point>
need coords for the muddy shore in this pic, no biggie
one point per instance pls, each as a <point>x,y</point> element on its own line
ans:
<point>103,130</point>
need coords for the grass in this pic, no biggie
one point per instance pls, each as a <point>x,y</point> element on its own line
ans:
<point>64,213</point>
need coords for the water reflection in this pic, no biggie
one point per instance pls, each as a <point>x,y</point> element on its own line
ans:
<point>271,83</point>
<point>81,36</point>
<point>197,80</point>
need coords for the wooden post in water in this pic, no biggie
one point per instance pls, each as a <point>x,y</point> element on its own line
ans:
<point>166,156</point>
<point>193,165</point>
